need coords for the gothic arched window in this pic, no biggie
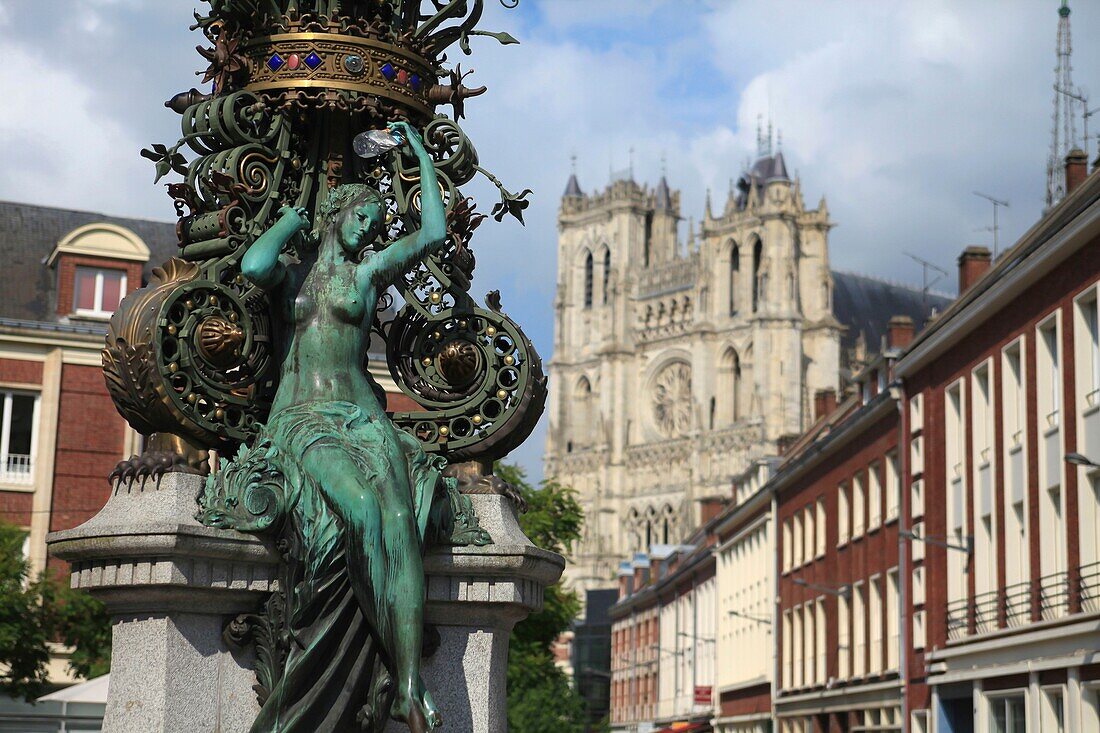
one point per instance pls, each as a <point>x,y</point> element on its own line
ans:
<point>735,267</point>
<point>729,388</point>
<point>583,413</point>
<point>588,280</point>
<point>757,282</point>
<point>606,274</point>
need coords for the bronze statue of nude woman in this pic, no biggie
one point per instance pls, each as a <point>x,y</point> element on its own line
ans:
<point>348,492</point>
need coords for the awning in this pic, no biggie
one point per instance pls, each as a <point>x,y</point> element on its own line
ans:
<point>92,691</point>
<point>687,728</point>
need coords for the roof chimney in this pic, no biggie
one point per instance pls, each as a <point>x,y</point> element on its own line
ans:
<point>1077,168</point>
<point>824,403</point>
<point>899,332</point>
<point>973,263</point>
<point>711,507</point>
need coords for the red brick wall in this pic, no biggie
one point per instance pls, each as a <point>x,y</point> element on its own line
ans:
<point>874,552</point>
<point>21,371</point>
<point>66,276</point>
<point>15,507</point>
<point>90,437</point>
<point>754,700</point>
<point>986,339</point>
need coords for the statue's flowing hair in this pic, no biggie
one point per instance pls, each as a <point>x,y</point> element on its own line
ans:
<point>342,198</point>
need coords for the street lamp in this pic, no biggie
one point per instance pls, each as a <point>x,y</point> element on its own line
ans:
<point>844,591</point>
<point>749,617</point>
<point>1079,460</point>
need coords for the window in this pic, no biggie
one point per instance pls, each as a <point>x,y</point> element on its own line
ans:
<point>874,497</point>
<point>796,647</point>
<point>808,664</point>
<point>788,547</point>
<point>735,268</point>
<point>920,638</point>
<point>985,524</point>
<point>788,630</point>
<point>844,637</point>
<point>97,291</point>
<point>859,630</point>
<point>916,413</point>
<point>819,530</point>
<point>758,283</point>
<point>1052,529</point>
<point>1087,338</point>
<point>588,280</point>
<point>916,496</point>
<point>810,527</point>
<point>606,275</point>
<point>955,456</point>
<point>798,540</point>
<point>1007,714</point>
<point>1014,431</point>
<point>1052,717</point>
<point>859,506</point>
<point>18,423</point>
<point>875,618</point>
<point>819,641</point>
<point>842,514</point>
<point>893,487</point>
<point>892,639</point>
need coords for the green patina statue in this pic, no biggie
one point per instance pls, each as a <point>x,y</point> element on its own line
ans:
<point>253,340</point>
<point>355,492</point>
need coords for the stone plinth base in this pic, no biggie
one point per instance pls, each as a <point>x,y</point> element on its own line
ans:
<point>170,585</point>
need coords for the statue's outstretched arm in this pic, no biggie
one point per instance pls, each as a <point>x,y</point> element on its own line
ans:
<point>400,256</point>
<point>261,263</point>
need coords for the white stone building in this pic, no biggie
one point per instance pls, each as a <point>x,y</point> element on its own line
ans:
<point>679,361</point>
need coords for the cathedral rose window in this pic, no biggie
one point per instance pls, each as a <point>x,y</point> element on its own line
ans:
<point>672,400</point>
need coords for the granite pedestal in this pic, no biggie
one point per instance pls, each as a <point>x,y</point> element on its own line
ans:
<point>171,585</point>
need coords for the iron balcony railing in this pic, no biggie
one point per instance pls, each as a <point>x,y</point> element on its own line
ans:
<point>1051,596</point>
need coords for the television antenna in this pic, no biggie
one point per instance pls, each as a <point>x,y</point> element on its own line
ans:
<point>927,284</point>
<point>1083,98</point>
<point>997,203</point>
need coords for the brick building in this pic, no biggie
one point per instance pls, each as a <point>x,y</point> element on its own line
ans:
<point>837,497</point>
<point>997,392</point>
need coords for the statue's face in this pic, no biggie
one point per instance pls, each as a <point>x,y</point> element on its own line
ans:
<point>360,226</point>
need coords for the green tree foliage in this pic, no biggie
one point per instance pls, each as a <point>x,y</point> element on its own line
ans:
<point>540,696</point>
<point>35,611</point>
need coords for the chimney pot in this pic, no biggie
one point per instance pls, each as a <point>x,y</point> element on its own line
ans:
<point>900,332</point>
<point>1077,168</point>
<point>824,403</point>
<point>711,507</point>
<point>973,263</point>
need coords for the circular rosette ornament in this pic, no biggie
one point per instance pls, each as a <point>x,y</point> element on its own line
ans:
<point>190,356</point>
<point>475,373</point>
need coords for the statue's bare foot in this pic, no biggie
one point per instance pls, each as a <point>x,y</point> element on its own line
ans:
<point>417,710</point>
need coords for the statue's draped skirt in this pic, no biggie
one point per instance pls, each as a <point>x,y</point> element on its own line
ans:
<point>335,672</point>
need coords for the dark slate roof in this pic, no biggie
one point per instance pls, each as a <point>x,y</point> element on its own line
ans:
<point>573,187</point>
<point>866,304</point>
<point>767,168</point>
<point>29,233</point>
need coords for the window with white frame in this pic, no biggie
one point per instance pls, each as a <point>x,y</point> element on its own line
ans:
<point>859,630</point>
<point>1014,439</point>
<point>797,540</point>
<point>843,514</point>
<point>797,647</point>
<point>916,498</point>
<point>97,291</point>
<point>916,412</point>
<point>1086,337</point>
<point>1052,529</point>
<point>787,547</point>
<point>810,530</point>
<point>916,455</point>
<point>788,647</point>
<point>919,719</point>
<point>859,506</point>
<point>844,636</point>
<point>18,436</point>
<point>1052,716</point>
<point>893,486</point>
<point>819,639</point>
<point>892,640</point>
<point>985,525</point>
<point>1090,708</point>
<point>1008,713</point>
<point>819,528</point>
<point>809,664</point>
<point>955,457</point>
<point>875,616</point>
<point>874,496</point>
<point>920,631</point>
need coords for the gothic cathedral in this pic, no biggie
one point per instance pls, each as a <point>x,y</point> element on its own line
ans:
<point>678,362</point>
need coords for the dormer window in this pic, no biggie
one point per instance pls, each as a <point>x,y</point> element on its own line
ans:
<point>98,291</point>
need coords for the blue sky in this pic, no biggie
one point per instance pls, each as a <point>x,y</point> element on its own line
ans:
<point>895,111</point>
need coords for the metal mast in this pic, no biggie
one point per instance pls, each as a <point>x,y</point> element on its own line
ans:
<point>1064,132</point>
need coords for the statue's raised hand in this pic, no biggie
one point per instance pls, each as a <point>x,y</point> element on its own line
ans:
<point>297,217</point>
<point>407,133</point>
